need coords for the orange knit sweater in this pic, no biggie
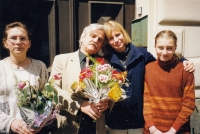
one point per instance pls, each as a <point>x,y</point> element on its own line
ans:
<point>169,97</point>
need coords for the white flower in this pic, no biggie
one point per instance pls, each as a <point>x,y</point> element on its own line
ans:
<point>106,67</point>
<point>103,78</point>
<point>99,68</point>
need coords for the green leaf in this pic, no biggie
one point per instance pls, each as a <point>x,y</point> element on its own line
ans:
<point>33,90</point>
<point>26,91</point>
<point>49,88</point>
<point>39,92</point>
<point>32,100</point>
<point>27,105</point>
<point>40,107</point>
<point>56,97</point>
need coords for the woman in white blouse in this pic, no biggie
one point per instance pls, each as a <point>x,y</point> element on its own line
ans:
<point>17,67</point>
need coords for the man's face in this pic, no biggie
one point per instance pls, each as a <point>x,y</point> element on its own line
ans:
<point>92,42</point>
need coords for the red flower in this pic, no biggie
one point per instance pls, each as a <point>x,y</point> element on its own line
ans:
<point>100,60</point>
<point>85,73</point>
<point>119,75</point>
<point>57,76</point>
<point>114,73</point>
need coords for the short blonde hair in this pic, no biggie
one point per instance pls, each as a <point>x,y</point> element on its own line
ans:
<point>111,26</point>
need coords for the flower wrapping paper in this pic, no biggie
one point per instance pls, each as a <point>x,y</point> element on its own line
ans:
<point>34,119</point>
<point>101,81</point>
<point>38,108</point>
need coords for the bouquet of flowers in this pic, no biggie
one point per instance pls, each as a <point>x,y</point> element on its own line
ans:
<point>37,106</point>
<point>99,81</point>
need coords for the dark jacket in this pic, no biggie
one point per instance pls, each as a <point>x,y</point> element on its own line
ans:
<point>128,114</point>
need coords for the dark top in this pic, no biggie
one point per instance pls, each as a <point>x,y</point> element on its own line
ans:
<point>128,114</point>
<point>87,126</point>
<point>82,58</point>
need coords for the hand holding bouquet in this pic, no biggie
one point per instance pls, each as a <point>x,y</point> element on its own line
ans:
<point>38,106</point>
<point>100,81</point>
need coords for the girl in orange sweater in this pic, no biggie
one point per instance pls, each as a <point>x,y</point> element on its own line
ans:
<point>169,97</point>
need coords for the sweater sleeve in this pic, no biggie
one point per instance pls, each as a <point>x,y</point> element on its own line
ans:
<point>43,75</point>
<point>147,111</point>
<point>5,118</point>
<point>6,121</point>
<point>188,101</point>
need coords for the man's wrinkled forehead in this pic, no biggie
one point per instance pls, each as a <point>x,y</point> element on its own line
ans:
<point>94,32</point>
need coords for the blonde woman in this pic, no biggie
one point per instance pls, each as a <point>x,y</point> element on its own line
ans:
<point>127,115</point>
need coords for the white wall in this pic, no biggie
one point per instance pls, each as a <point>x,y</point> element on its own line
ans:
<point>180,16</point>
<point>142,8</point>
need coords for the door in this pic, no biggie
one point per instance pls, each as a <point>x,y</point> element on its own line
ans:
<point>34,13</point>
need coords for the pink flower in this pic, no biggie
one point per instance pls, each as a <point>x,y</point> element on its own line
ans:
<point>106,67</point>
<point>57,76</point>
<point>103,78</point>
<point>99,68</point>
<point>21,85</point>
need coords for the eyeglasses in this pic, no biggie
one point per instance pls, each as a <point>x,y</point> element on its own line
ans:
<point>14,41</point>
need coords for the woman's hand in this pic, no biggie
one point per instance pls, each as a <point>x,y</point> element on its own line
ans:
<point>154,130</point>
<point>188,66</point>
<point>157,132</point>
<point>19,127</point>
<point>171,131</point>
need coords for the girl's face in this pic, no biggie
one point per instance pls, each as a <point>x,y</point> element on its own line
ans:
<point>165,49</point>
<point>17,41</point>
<point>117,41</point>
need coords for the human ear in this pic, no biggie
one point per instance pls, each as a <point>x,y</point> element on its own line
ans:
<point>175,46</point>
<point>5,44</point>
<point>29,43</point>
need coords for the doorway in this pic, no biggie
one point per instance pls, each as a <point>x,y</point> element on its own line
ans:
<point>33,13</point>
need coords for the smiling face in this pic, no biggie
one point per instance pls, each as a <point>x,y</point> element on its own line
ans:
<point>117,36</point>
<point>165,48</point>
<point>116,41</point>
<point>17,41</point>
<point>92,41</point>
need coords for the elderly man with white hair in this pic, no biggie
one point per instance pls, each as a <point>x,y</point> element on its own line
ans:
<point>77,115</point>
